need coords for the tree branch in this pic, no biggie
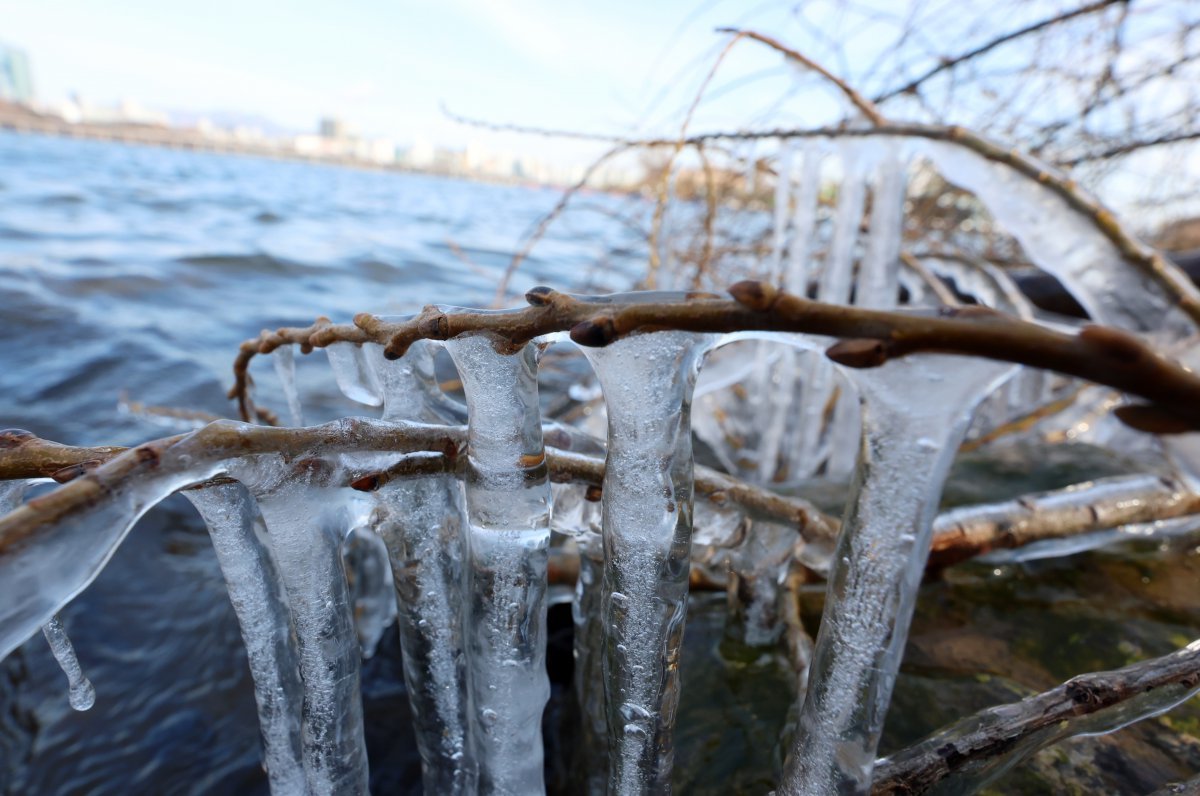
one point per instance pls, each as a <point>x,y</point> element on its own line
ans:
<point>949,63</point>
<point>870,338</point>
<point>985,744</point>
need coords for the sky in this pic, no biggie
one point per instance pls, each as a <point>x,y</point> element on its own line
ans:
<point>388,66</point>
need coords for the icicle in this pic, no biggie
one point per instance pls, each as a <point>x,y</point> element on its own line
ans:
<point>259,601</point>
<point>284,359</point>
<point>758,567</point>
<point>423,521</point>
<point>508,505</point>
<point>804,222</point>
<point>915,412</point>
<point>372,590</point>
<point>783,184</point>
<point>647,514</point>
<point>838,275</point>
<point>590,768</point>
<point>355,375</point>
<point>306,520</point>
<point>877,286</point>
<point>82,695</point>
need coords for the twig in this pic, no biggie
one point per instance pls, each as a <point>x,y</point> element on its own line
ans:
<point>1001,736</point>
<point>950,63</point>
<point>23,455</point>
<point>870,338</point>
<point>858,100</point>
<point>958,535</point>
<point>1106,503</point>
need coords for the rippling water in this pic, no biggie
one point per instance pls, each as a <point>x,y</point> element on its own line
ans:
<point>139,270</point>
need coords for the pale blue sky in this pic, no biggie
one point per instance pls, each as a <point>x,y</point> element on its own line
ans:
<point>617,65</point>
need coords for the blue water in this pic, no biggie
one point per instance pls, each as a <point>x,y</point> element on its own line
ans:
<point>139,270</point>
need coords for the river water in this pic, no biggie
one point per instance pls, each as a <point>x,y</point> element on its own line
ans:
<point>137,271</point>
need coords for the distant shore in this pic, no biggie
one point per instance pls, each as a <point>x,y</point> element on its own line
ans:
<point>21,119</point>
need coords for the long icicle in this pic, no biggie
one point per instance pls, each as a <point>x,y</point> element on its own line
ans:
<point>306,520</point>
<point>647,521</point>
<point>423,523</point>
<point>915,412</point>
<point>260,604</point>
<point>508,506</point>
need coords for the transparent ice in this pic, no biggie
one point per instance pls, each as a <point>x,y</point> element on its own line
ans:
<point>647,519</point>
<point>508,507</point>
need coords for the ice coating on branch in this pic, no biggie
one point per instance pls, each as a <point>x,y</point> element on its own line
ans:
<point>508,506</point>
<point>1061,241</point>
<point>306,519</point>
<point>82,694</point>
<point>758,567</point>
<point>915,412</point>
<point>647,516</point>
<point>38,577</point>
<point>355,376</point>
<point>423,523</point>
<point>284,360</point>
<point>372,591</point>
<point>260,603</point>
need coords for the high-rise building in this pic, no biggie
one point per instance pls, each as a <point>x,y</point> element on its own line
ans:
<point>16,81</point>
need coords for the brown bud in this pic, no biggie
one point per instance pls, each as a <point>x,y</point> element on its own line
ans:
<point>15,437</point>
<point>73,471</point>
<point>858,353</point>
<point>368,483</point>
<point>434,327</point>
<point>1113,343</point>
<point>593,494</point>
<point>755,295</point>
<point>1153,420</point>
<point>540,296</point>
<point>594,333</point>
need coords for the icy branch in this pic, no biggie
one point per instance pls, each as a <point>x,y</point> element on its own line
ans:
<point>977,749</point>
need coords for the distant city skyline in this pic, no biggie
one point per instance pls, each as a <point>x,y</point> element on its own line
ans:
<point>387,68</point>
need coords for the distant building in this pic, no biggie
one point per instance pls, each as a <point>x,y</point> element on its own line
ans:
<point>332,127</point>
<point>16,81</point>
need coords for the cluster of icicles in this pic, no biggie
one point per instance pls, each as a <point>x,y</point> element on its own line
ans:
<point>467,580</point>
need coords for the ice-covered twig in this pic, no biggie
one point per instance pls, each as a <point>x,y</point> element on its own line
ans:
<point>958,535</point>
<point>981,747</point>
<point>870,337</point>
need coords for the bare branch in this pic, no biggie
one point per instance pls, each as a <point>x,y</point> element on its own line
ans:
<point>950,63</point>
<point>984,745</point>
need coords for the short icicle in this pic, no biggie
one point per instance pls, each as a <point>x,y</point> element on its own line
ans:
<point>306,519</point>
<point>422,521</point>
<point>82,694</point>
<point>647,522</point>
<point>284,360</point>
<point>508,506</point>
<point>915,412</point>
<point>260,604</point>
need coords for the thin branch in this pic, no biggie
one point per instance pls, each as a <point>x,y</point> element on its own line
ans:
<point>985,744</point>
<point>1098,354</point>
<point>949,63</point>
<point>24,455</point>
<point>858,100</point>
<point>958,535</point>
